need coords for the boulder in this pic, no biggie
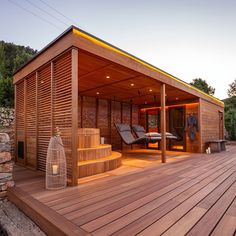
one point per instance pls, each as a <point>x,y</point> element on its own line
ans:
<point>5,177</point>
<point>6,167</point>
<point>4,138</point>
<point>5,185</point>
<point>4,157</point>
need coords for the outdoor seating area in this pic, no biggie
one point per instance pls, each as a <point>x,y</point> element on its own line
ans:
<point>80,83</point>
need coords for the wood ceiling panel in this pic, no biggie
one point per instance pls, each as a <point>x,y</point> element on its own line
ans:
<point>88,63</point>
<point>99,78</point>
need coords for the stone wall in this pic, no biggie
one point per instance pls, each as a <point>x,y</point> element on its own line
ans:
<point>6,164</point>
<point>6,117</point>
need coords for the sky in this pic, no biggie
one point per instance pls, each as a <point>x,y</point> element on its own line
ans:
<point>188,39</point>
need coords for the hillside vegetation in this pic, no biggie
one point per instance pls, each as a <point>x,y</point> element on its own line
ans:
<point>11,58</point>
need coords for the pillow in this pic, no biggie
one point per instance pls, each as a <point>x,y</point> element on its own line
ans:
<point>153,134</point>
<point>169,134</point>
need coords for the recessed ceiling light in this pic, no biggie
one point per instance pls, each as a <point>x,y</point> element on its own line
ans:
<point>97,93</point>
<point>42,81</point>
<point>108,76</point>
<point>176,98</point>
<point>150,90</point>
<point>132,84</point>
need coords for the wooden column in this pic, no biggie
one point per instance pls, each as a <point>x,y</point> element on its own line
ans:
<point>25,122</point>
<point>15,123</point>
<point>74,131</point>
<point>163,123</point>
<point>200,125</point>
<point>36,118</point>
<point>52,99</point>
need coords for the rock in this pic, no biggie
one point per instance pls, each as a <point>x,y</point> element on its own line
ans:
<point>4,138</point>
<point>4,186</point>
<point>3,194</point>
<point>4,157</point>
<point>6,167</point>
<point>5,177</point>
<point>5,147</point>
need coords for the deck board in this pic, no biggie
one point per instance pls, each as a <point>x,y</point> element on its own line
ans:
<point>194,194</point>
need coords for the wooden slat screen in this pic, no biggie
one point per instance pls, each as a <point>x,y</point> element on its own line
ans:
<point>44,114</point>
<point>20,109</point>
<point>31,121</point>
<point>62,103</point>
<point>20,134</point>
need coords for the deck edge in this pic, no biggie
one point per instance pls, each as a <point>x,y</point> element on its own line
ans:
<point>48,220</point>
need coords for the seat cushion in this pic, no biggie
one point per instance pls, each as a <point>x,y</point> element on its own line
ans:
<point>123,127</point>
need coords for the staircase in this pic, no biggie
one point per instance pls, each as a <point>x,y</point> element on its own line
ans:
<point>93,157</point>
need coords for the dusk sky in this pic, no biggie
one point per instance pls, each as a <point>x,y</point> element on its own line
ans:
<point>188,39</point>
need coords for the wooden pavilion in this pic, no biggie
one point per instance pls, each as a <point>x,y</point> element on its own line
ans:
<point>80,81</point>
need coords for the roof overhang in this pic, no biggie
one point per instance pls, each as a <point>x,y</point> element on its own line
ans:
<point>75,37</point>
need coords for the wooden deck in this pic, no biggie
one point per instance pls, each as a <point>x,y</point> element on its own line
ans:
<point>193,195</point>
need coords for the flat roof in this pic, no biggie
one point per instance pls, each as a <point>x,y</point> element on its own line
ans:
<point>109,46</point>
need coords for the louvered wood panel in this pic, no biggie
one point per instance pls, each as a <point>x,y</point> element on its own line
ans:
<point>44,115</point>
<point>20,133</point>
<point>62,103</point>
<point>31,141</point>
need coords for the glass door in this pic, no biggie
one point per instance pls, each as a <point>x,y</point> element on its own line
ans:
<point>177,127</point>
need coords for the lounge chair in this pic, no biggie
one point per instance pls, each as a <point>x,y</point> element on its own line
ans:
<point>125,132</point>
<point>140,132</point>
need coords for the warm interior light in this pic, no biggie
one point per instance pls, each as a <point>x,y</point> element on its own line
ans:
<point>42,82</point>
<point>132,84</point>
<point>97,93</point>
<point>150,90</point>
<point>108,76</point>
<point>176,98</point>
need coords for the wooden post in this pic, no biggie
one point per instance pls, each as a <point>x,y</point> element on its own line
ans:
<point>25,122</point>
<point>52,98</point>
<point>163,123</point>
<point>74,131</point>
<point>15,123</point>
<point>36,118</point>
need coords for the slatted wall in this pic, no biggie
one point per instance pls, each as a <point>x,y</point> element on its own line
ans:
<point>62,103</point>
<point>44,114</point>
<point>31,137</point>
<point>20,121</point>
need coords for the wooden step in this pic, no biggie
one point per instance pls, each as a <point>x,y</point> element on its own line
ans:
<point>93,167</point>
<point>86,154</point>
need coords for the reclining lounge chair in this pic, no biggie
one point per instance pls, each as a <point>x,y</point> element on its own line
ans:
<point>128,138</point>
<point>140,132</point>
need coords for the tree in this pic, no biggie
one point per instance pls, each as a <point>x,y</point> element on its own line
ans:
<point>11,58</point>
<point>232,89</point>
<point>203,86</point>
<point>230,117</point>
